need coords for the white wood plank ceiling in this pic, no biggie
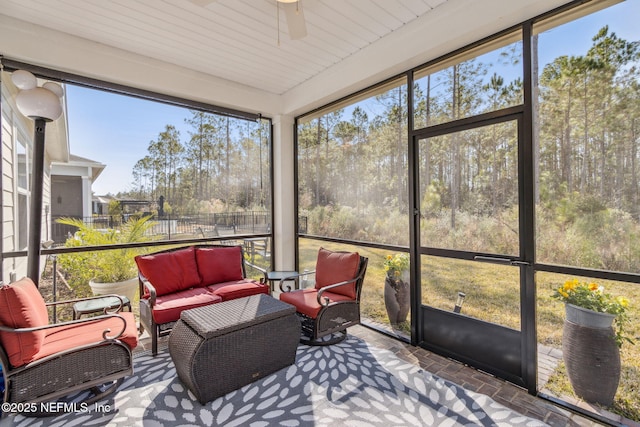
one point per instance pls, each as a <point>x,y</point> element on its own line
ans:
<point>236,40</point>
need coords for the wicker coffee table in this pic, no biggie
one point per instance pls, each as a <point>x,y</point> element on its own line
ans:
<point>221,347</point>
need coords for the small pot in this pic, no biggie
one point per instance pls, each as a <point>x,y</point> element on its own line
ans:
<point>128,288</point>
<point>589,318</point>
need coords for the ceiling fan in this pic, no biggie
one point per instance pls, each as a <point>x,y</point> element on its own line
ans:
<point>292,12</point>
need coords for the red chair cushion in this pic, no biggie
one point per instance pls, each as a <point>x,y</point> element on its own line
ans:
<point>22,306</point>
<point>335,267</point>
<point>66,337</point>
<point>168,307</point>
<point>305,300</point>
<point>218,265</point>
<point>238,289</point>
<point>170,272</point>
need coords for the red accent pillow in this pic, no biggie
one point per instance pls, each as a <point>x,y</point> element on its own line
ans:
<point>218,265</point>
<point>170,272</point>
<point>22,306</point>
<point>335,267</point>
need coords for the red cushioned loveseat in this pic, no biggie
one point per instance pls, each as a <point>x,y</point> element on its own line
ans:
<point>175,280</point>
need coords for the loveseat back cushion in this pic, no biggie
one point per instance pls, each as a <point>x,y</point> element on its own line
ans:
<point>219,264</point>
<point>69,336</point>
<point>22,306</point>
<point>170,272</point>
<point>335,267</point>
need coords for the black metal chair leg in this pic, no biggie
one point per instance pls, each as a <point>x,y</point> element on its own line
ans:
<point>330,339</point>
<point>97,394</point>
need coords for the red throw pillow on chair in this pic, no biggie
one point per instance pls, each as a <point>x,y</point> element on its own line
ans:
<point>22,306</point>
<point>335,267</point>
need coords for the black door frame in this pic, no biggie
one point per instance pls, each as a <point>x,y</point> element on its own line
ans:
<point>502,351</point>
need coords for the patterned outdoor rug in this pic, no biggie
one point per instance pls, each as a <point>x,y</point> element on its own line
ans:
<point>350,384</point>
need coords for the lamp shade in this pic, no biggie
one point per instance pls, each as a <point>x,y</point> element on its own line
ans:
<point>55,88</point>
<point>39,103</point>
<point>23,79</point>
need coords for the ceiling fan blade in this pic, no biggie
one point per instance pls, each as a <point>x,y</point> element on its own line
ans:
<point>295,20</point>
<point>202,3</point>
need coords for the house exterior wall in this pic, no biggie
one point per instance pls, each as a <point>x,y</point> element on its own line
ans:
<point>67,196</point>
<point>80,173</point>
<point>8,182</point>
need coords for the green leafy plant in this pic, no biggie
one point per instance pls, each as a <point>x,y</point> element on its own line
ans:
<point>104,266</point>
<point>593,297</point>
<point>395,265</point>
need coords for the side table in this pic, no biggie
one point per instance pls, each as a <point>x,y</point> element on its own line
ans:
<point>99,305</point>
<point>276,276</point>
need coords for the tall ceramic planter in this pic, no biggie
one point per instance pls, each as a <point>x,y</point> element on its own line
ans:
<point>396,298</point>
<point>128,288</point>
<point>591,354</point>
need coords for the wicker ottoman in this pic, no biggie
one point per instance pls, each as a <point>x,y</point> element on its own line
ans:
<point>221,347</point>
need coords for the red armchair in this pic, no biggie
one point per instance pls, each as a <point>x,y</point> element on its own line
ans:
<point>43,362</point>
<point>333,304</point>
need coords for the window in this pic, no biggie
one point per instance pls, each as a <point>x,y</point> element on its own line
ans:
<point>23,168</point>
<point>198,174</point>
<point>469,190</point>
<point>480,80</point>
<point>587,158</point>
<point>352,168</point>
<point>588,151</point>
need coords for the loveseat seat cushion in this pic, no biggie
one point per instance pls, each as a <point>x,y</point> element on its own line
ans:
<point>22,306</point>
<point>170,272</point>
<point>238,289</point>
<point>168,307</point>
<point>335,267</point>
<point>306,301</point>
<point>219,264</point>
<point>66,337</point>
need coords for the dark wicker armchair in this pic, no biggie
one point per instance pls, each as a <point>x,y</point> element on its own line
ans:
<point>333,304</point>
<point>42,362</point>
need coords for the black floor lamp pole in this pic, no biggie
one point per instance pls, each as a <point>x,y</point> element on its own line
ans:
<point>35,211</point>
<point>42,104</point>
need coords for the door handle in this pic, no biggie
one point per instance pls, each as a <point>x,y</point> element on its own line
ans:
<point>492,259</point>
<point>501,260</point>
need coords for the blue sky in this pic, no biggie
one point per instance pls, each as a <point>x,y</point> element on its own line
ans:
<point>116,130</point>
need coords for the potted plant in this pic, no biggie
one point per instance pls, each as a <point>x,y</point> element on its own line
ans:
<point>107,271</point>
<point>592,335</point>
<point>396,287</point>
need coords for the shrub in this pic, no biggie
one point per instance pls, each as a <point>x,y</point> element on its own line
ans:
<point>106,265</point>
